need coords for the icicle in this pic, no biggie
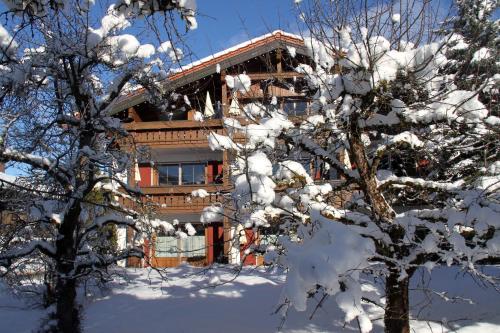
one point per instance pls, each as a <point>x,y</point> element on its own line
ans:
<point>209,108</point>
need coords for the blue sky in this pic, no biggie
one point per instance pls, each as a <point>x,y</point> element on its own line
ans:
<point>221,24</point>
<point>224,23</point>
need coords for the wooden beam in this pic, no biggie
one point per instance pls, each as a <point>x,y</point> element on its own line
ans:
<point>225,168</point>
<point>177,124</point>
<point>132,113</point>
<point>279,66</point>
<point>224,100</point>
<point>276,75</point>
<point>182,189</point>
<point>226,225</point>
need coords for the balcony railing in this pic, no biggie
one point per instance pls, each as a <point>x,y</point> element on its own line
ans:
<point>178,199</point>
<point>174,133</point>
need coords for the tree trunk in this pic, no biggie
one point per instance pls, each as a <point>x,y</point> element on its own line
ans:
<point>368,179</point>
<point>397,319</point>
<point>67,316</point>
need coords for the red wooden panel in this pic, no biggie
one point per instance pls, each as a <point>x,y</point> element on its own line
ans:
<point>210,244</point>
<point>317,173</point>
<point>218,174</point>
<point>249,259</point>
<point>210,173</point>
<point>145,172</point>
<point>220,233</point>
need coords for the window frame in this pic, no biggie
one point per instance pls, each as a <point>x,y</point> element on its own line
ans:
<point>181,245</point>
<point>180,174</point>
<point>168,165</point>
<point>294,102</point>
<point>204,173</point>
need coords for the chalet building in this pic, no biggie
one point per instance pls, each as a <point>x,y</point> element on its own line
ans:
<point>180,158</point>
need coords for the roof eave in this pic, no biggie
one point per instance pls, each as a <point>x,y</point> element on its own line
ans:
<point>224,60</point>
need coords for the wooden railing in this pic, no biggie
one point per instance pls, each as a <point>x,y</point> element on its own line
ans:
<point>175,133</point>
<point>178,199</point>
<point>181,203</point>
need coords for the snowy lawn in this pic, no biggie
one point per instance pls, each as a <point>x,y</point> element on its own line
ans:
<point>246,304</point>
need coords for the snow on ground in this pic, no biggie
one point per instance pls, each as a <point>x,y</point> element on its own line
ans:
<point>246,303</point>
<point>16,315</point>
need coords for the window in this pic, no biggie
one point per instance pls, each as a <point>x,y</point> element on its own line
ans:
<point>166,247</point>
<point>193,174</point>
<point>181,174</point>
<point>295,107</point>
<point>168,174</point>
<point>194,246</point>
<point>173,247</point>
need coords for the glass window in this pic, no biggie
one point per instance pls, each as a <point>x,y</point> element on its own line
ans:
<point>295,107</point>
<point>168,174</point>
<point>193,174</point>
<point>166,247</point>
<point>333,174</point>
<point>194,246</point>
<point>300,107</point>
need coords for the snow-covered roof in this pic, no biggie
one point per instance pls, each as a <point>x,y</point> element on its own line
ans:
<point>219,61</point>
<point>276,33</point>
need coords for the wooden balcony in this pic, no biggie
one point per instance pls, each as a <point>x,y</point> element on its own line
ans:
<point>177,199</point>
<point>175,133</point>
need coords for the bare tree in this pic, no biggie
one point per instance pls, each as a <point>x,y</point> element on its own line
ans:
<point>63,66</point>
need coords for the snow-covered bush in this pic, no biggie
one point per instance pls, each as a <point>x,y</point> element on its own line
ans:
<point>410,125</point>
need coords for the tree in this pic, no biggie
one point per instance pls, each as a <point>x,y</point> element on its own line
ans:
<point>63,66</point>
<point>411,126</point>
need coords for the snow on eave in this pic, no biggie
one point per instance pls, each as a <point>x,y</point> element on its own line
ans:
<point>7,178</point>
<point>137,97</point>
<point>272,36</point>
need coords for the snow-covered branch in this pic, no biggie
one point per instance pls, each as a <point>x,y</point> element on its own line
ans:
<point>7,257</point>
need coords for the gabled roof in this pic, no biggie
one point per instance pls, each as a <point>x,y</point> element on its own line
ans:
<point>225,59</point>
<point>241,52</point>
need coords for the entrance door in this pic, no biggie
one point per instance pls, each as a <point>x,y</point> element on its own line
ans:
<point>219,243</point>
<point>215,233</point>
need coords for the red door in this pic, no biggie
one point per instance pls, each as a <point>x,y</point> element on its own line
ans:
<point>215,235</point>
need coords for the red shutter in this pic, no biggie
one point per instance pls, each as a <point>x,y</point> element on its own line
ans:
<point>210,245</point>
<point>210,173</point>
<point>317,171</point>
<point>145,172</point>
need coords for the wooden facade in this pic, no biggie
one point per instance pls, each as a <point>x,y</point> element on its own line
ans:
<point>172,132</point>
